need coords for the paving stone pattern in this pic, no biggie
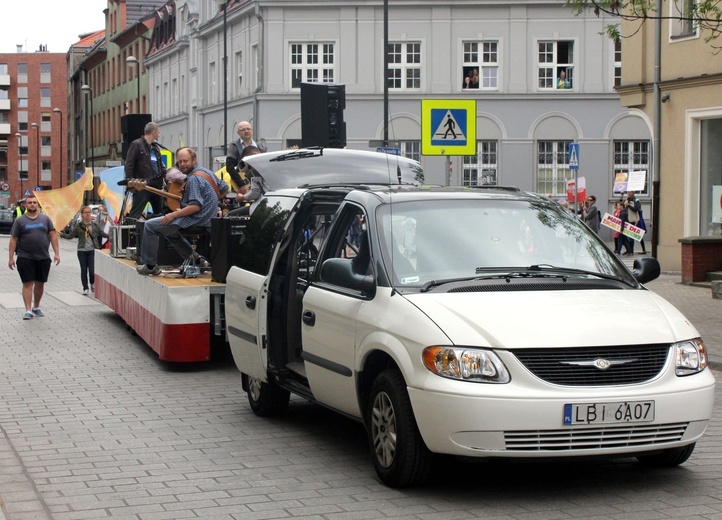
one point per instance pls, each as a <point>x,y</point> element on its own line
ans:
<point>93,426</point>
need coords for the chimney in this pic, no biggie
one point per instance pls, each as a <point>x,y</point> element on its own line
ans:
<point>19,47</point>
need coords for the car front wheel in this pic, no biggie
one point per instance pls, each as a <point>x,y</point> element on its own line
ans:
<point>667,458</point>
<point>266,399</point>
<point>400,456</point>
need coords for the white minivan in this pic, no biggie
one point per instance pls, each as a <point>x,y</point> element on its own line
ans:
<point>468,321</point>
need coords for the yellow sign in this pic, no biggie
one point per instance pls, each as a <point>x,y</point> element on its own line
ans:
<point>167,157</point>
<point>448,127</point>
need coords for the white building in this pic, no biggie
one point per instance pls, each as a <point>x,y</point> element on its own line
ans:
<point>524,121</point>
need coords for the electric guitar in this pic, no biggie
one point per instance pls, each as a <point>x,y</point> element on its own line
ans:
<point>172,196</point>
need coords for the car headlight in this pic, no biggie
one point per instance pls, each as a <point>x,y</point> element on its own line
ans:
<point>690,357</point>
<point>466,364</point>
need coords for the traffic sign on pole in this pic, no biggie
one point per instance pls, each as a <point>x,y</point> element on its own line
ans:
<point>574,156</point>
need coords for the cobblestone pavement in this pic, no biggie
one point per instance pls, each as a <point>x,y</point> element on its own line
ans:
<point>92,426</point>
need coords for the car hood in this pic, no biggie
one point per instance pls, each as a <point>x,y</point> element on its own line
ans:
<point>555,318</point>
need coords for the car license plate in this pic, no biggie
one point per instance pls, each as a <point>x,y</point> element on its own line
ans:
<point>609,413</point>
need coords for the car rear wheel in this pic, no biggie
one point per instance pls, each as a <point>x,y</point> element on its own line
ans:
<point>400,456</point>
<point>266,399</point>
<point>667,458</point>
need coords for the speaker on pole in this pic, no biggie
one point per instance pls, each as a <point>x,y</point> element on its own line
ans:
<point>322,122</point>
<point>132,127</point>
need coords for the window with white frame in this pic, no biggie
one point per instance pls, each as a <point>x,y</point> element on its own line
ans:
<point>312,63</point>
<point>239,71</point>
<point>45,97</point>
<point>681,24</point>
<point>411,149</point>
<point>617,62</point>
<point>480,169</point>
<point>555,65</point>
<point>553,167</point>
<point>631,156</point>
<point>480,69</point>
<point>213,87</point>
<point>405,66</point>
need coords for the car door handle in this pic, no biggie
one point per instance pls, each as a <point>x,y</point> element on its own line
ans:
<point>251,302</point>
<point>309,318</point>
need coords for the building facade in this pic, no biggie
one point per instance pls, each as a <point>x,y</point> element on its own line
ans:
<point>107,82</point>
<point>33,88</point>
<point>689,106</point>
<point>525,119</point>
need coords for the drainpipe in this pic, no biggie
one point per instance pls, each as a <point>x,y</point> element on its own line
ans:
<point>259,78</point>
<point>657,133</point>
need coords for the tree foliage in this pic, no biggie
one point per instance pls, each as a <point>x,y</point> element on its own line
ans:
<point>704,14</point>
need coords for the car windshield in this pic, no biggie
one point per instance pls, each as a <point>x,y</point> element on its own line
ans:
<point>435,241</point>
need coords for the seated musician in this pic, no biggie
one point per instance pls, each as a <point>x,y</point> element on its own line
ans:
<point>198,205</point>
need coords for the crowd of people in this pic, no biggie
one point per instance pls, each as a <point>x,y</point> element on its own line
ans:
<point>628,210</point>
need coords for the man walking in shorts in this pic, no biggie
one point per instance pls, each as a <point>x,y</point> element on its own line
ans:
<point>31,235</point>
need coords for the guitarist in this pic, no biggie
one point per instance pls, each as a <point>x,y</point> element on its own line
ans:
<point>144,162</point>
<point>198,205</point>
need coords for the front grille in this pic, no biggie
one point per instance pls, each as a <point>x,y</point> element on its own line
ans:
<point>574,366</point>
<point>607,437</point>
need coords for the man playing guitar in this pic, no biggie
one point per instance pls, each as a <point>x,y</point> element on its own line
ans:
<point>198,204</point>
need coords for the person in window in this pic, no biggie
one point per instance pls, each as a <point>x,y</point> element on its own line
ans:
<point>562,81</point>
<point>471,80</point>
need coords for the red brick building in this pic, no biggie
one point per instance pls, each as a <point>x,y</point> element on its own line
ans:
<point>33,111</point>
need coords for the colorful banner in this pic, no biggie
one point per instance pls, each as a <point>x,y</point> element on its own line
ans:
<point>110,192</point>
<point>615,223</point>
<point>62,204</point>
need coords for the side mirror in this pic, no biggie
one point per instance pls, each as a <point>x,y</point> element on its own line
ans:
<point>646,269</point>
<point>339,271</point>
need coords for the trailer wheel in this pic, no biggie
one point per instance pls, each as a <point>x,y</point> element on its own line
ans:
<point>266,399</point>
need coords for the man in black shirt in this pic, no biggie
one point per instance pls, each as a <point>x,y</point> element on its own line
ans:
<point>144,162</point>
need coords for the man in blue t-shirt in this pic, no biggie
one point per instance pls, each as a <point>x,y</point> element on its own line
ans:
<point>31,235</point>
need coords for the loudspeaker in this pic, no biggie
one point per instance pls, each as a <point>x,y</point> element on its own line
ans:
<point>226,237</point>
<point>167,255</point>
<point>322,107</point>
<point>132,126</point>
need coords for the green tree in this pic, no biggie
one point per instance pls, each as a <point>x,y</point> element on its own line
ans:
<point>704,14</point>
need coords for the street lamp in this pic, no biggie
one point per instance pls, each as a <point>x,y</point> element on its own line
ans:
<point>37,152</point>
<point>62,139</point>
<point>20,168</point>
<point>89,92</point>
<point>132,61</point>
<point>224,3</point>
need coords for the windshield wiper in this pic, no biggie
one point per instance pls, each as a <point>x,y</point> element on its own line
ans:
<point>299,154</point>
<point>547,270</point>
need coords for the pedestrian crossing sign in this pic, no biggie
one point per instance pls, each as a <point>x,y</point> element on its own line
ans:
<point>448,127</point>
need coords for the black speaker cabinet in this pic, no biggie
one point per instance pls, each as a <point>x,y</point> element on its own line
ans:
<point>226,236</point>
<point>167,255</point>
<point>132,126</point>
<point>322,122</point>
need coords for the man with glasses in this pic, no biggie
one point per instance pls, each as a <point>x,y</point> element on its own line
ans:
<point>31,235</point>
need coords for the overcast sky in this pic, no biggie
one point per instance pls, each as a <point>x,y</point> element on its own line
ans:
<point>55,23</point>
